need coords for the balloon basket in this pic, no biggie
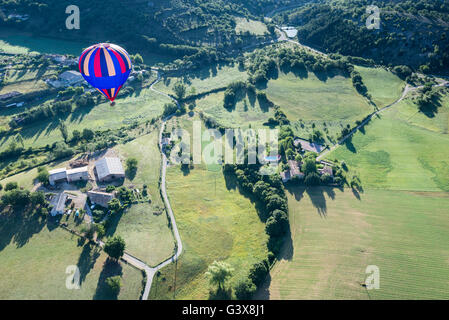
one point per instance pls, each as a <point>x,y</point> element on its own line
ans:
<point>112,104</point>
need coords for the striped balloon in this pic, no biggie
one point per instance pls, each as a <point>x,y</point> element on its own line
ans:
<point>106,67</point>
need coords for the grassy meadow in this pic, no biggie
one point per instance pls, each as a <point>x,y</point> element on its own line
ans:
<point>252,26</point>
<point>336,235</point>
<point>34,257</point>
<point>213,219</point>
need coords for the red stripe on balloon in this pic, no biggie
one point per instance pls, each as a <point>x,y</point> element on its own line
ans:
<point>97,66</point>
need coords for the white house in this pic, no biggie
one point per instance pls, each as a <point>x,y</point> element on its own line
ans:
<point>109,168</point>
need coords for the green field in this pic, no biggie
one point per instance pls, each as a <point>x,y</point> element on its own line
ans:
<point>145,226</point>
<point>33,261</point>
<point>384,86</point>
<point>252,26</point>
<point>336,236</point>
<point>139,106</point>
<point>203,80</point>
<point>402,150</point>
<point>213,219</point>
<point>246,112</point>
<point>313,99</point>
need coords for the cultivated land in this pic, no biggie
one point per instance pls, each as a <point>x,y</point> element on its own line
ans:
<point>34,257</point>
<point>213,219</point>
<point>335,236</point>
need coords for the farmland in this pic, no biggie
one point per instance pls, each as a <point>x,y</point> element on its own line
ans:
<point>335,236</point>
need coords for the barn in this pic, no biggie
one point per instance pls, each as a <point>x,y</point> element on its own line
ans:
<point>77,174</point>
<point>109,168</point>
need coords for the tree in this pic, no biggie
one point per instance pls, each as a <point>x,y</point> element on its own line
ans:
<point>114,285</point>
<point>245,289</point>
<point>180,90</point>
<point>16,197</point>
<point>137,58</point>
<point>219,272</point>
<point>131,164</point>
<point>88,134</point>
<point>312,179</point>
<point>114,205</point>
<point>11,185</point>
<point>309,166</point>
<point>258,273</point>
<point>43,175</point>
<point>64,132</point>
<point>76,136</point>
<point>37,198</point>
<point>115,247</point>
<point>277,224</point>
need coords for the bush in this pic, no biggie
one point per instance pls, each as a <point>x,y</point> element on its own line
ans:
<point>245,289</point>
<point>115,247</point>
<point>11,186</point>
<point>258,273</point>
<point>43,175</point>
<point>312,179</point>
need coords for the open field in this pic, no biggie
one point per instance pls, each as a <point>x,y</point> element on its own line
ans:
<point>24,86</point>
<point>203,80</point>
<point>213,219</point>
<point>139,106</point>
<point>252,26</point>
<point>335,236</point>
<point>33,261</point>
<point>313,99</point>
<point>402,150</point>
<point>245,113</point>
<point>384,86</point>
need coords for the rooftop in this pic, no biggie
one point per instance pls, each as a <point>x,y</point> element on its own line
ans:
<point>109,166</point>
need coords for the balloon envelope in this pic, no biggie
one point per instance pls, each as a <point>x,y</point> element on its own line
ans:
<point>106,67</point>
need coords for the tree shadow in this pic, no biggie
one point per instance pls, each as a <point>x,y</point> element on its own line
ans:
<point>349,145</point>
<point>112,223</point>
<point>316,195</point>
<point>87,259</point>
<point>263,291</point>
<point>111,268</point>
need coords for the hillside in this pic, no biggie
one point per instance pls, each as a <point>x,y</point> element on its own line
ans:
<point>411,32</point>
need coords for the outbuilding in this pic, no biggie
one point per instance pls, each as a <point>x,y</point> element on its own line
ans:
<point>109,168</point>
<point>57,175</point>
<point>78,174</point>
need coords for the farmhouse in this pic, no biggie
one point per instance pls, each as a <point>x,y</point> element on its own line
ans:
<point>59,204</point>
<point>100,198</point>
<point>77,174</point>
<point>57,175</point>
<point>326,170</point>
<point>293,171</point>
<point>109,168</point>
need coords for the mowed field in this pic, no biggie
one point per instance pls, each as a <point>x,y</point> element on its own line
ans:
<point>313,99</point>
<point>336,236</point>
<point>215,223</point>
<point>33,261</point>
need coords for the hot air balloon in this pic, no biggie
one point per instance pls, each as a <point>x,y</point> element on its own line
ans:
<point>106,67</point>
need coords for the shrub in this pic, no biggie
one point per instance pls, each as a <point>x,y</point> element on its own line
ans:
<point>11,185</point>
<point>258,273</point>
<point>245,289</point>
